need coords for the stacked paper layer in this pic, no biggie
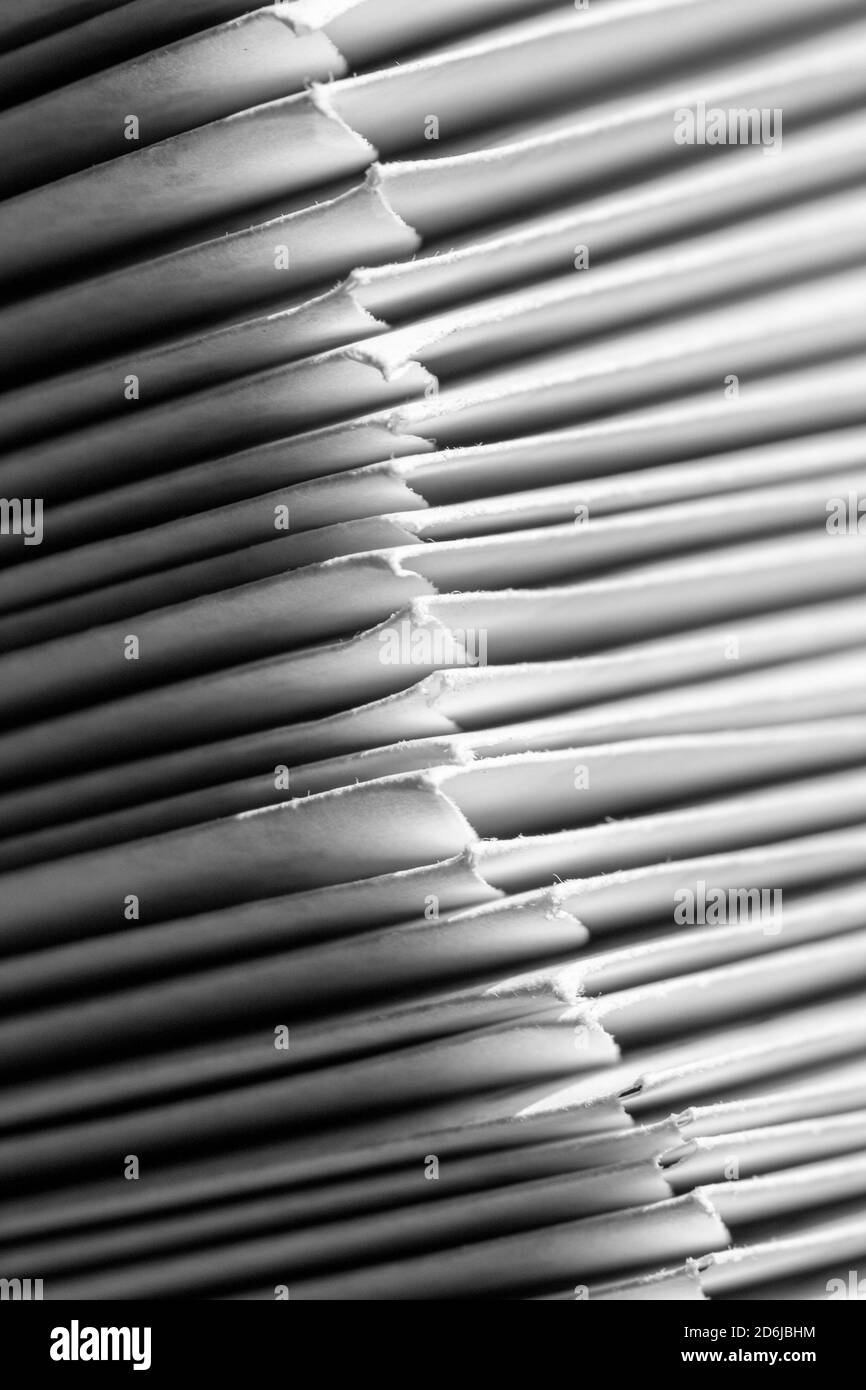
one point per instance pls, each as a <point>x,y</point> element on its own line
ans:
<point>433,649</point>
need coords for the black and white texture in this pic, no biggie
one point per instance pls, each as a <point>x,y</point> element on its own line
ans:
<point>433,649</point>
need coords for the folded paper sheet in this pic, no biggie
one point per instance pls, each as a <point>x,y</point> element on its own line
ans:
<point>433,649</point>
